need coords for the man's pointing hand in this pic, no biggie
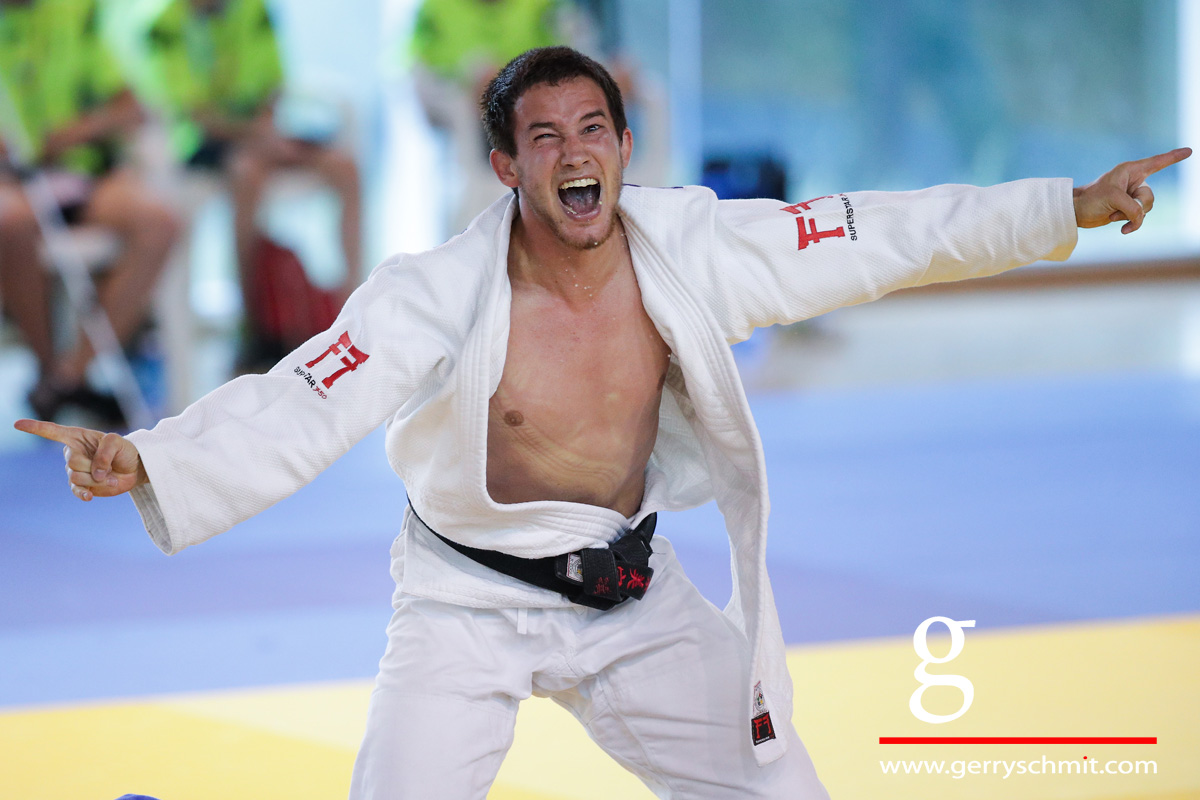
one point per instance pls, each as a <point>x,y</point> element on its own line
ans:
<point>1122,193</point>
<point>98,464</point>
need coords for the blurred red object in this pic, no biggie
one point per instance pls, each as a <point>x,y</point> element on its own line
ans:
<point>285,308</point>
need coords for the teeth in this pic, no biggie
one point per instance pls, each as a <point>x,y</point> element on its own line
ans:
<point>578,182</point>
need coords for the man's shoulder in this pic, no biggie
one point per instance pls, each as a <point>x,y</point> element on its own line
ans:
<point>659,208</point>
<point>452,276</point>
<point>666,196</point>
<point>456,267</point>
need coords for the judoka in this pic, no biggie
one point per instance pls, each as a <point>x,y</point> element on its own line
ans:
<point>550,379</point>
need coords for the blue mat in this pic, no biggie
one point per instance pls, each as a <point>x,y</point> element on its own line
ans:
<point>1010,502</point>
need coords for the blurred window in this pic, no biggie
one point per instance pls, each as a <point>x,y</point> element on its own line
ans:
<point>902,94</point>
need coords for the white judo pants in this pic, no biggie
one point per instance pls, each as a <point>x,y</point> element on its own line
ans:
<point>659,684</point>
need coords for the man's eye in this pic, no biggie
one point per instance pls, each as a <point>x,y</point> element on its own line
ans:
<point>592,128</point>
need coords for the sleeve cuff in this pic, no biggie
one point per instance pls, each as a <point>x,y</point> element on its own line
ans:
<point>146,502</point>
<point>1067,228</point>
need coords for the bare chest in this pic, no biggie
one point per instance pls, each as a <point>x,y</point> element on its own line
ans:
<point>610,355</point>
<point>575,415</point>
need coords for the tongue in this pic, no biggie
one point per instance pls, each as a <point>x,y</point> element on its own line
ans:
<point>580,199</point>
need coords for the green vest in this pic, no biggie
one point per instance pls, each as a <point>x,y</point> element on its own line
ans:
<point>451,36</point>
<point>56,67</point>
<point>227,62</point>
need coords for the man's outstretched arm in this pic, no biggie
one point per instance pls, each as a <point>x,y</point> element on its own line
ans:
<point>260,438</point>
<point>1121,193</point>
<point>98,464</point>
<point>797,261</point>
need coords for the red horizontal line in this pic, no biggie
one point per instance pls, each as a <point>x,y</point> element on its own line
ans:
<point>1018,740</point>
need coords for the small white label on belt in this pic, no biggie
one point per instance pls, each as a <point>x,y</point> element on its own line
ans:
<point>575,567</point>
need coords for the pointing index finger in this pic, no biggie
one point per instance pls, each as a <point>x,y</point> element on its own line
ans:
<point>47,430</point>
<point>1148,166</point>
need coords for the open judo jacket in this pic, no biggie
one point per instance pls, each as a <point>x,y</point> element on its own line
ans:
<point>421,345</point>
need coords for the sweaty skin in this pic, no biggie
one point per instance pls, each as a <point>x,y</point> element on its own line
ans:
<point>575,415</point>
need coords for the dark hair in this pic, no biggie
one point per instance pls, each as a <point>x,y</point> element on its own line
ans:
<point>551,65</point>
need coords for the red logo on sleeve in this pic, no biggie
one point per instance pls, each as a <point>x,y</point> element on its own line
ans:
<point>813,235</point>
<point>349,355</point>
<point>805,206</point>
<point>810,234</point>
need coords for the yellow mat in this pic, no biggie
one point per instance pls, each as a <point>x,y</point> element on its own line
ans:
<point>1129,678</point>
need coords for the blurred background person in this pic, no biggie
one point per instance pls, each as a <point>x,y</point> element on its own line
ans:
<point>72,114</point>
<point>457,47</point>
<point>213,68</point>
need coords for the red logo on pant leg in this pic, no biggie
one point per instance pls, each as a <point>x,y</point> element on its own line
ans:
<point>761,729</point>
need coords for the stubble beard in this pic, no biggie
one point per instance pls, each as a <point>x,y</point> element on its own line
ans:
<point>585,244</point>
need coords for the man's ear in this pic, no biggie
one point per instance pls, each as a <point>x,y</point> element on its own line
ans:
<point>502,165</point>
<point>626,148</point>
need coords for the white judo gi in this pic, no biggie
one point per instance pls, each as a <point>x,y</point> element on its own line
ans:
<point>422,346</point>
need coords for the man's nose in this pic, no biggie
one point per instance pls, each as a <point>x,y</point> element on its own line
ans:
<point>575,154</point>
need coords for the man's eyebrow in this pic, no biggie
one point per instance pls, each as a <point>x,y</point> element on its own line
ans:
<point>599,112</point>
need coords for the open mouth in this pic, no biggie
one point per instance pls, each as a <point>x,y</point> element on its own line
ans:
<point>580,197</point>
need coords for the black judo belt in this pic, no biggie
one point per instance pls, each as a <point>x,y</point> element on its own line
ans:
<point>597,577</point>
